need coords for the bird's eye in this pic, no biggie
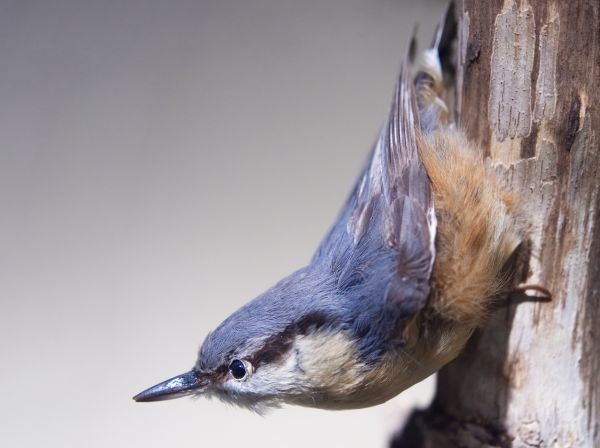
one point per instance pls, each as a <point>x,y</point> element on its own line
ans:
<point>237,369</point>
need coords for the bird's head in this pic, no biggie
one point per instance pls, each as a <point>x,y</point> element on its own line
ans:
<point>292,345</point>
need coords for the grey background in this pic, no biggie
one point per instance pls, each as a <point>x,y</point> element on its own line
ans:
<point>161,163</point>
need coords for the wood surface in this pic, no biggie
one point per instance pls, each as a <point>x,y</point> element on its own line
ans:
<point>528,90</point>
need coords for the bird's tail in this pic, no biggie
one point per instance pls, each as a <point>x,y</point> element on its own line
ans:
<point>434,76</point>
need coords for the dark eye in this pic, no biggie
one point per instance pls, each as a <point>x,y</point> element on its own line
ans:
<point>237,369</point>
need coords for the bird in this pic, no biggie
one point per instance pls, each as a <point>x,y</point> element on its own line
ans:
<point>416,261</point>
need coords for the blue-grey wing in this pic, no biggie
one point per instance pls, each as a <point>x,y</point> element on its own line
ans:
<point>387,226</point>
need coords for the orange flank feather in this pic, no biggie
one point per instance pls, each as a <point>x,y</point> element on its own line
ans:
<point>479,228</point>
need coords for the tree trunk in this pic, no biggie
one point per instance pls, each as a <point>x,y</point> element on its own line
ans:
<point>528,92</point>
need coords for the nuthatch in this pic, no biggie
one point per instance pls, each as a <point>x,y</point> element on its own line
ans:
<point>409,270</point>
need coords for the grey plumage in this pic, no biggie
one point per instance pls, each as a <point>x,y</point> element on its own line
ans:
<point>367,279</point>
<point>380,306</point>
<point>371,273</point>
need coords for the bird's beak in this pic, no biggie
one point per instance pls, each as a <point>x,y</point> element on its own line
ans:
<point>176,387</point>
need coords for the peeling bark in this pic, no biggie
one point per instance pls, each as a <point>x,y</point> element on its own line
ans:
<point>531,378</point>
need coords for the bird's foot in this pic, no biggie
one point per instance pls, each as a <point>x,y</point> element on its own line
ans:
<point>523,293</point>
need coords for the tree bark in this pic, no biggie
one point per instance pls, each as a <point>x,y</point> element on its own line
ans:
<point>528,92</point>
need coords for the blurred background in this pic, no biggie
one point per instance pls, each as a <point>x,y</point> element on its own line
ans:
<point>161,163</point>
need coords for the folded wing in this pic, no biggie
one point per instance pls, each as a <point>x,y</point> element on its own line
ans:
<point>386,230</point>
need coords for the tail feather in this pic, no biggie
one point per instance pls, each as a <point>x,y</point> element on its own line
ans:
<point>434,76</point>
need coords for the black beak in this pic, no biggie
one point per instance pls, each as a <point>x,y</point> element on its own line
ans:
<point>176,387</point>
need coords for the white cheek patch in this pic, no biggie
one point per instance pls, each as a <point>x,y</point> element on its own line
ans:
<point>329,362</point>
<point>323,361</point>
<point>281,377</point>
<point>267,379</point>
<point>319,363</point>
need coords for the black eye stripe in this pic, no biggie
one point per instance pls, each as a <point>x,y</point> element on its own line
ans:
<point>276,346</point>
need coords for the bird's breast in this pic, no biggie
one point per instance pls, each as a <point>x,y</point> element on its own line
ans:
<point>334,377</point>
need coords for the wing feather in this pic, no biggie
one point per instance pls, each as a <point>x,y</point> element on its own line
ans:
<point>388,225</point>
